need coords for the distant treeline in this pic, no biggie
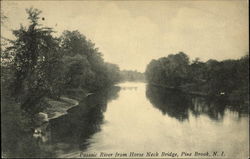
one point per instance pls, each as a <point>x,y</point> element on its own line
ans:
<point>37,65</point>
<point>128,75</point>
<point>227,78</point>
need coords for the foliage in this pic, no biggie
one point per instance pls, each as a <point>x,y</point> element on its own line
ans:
<point>228,78</point>
<point>128,75</point>
<point>84,65</point>
<point>171,70</point>
<point>16,132</point>
<point>38,65</point>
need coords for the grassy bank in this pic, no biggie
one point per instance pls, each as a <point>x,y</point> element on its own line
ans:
<point>59,107</point>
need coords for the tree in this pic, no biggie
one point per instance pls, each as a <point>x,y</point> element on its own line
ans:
<point>36,63</point>
<point>171,70</point>
<point>197,71</point>
<point>85,67</point>
<point>129,75</point>
<point>113,73</point>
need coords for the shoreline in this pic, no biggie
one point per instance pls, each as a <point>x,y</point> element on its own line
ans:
<point>222,95</point>
<point>188,92</point>
<point>60,107</point>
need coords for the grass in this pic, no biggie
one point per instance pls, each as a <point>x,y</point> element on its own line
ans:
<point>58,108</point>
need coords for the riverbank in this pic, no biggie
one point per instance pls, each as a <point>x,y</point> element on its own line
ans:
<point>17,132</point>
<point>59,107</point>
<point>235,98</point>
<point>188,91</point>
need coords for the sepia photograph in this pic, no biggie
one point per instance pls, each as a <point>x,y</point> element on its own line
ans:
<point>128,79</point>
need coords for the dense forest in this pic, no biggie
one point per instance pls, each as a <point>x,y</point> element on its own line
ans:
<point>37,65</point>
<point>36,68</point>
<point>227,78</point>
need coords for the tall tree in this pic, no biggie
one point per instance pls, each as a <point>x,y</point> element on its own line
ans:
<point>85,66</point>
<point>36,63</point>
<point>171,70</point>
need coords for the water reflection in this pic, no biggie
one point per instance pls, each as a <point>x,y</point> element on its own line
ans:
<point>129,88</point>
<point>178,104</point>
<point>134,123</point>
<point>69,132</point>
<point>171,102</point>
<point>215,110</point>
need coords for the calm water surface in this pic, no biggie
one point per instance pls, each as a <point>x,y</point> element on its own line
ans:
<point>134,117</point>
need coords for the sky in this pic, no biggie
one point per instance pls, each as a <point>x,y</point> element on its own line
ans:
<point>132,33</point>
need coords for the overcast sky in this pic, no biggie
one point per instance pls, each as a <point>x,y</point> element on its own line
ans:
<point>132,33</point>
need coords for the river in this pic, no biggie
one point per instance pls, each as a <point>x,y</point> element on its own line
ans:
<point>134,117</point>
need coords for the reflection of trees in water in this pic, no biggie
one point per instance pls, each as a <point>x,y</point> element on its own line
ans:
<point>177,104</point>
<point>129,88</point>
<point>171,102</point>
<point>213,108</point>
<point>70,131</point>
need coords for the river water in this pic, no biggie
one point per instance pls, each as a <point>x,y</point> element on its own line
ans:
<point>134,117</point>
